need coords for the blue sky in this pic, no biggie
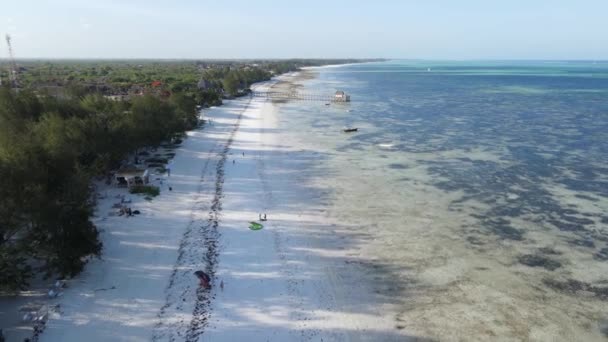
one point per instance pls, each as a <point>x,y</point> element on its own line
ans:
<point>429,29</point>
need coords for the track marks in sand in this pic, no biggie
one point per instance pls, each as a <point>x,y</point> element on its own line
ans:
<point>198,249</point>
<point>181,287</point>
<point>201,312</point>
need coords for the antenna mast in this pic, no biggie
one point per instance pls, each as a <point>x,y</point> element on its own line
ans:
<point>12,70</point>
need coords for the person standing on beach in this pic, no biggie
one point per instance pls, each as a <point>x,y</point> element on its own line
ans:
<point>204,279</point>
<point>169,168</point>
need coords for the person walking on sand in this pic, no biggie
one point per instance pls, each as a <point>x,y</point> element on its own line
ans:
<point>169,168</point>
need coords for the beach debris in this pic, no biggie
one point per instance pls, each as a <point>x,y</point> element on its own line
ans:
<point>386,145</point>
<point>105,289</point>
<point>204,279</point>
<point>53,293</point>
<point>255,225</point>
<point>37,313</point>
<point>55,290</point>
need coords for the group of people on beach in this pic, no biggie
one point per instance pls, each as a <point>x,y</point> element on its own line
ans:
<point>124,210</point>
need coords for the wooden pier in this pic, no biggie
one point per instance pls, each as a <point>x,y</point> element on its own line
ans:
<point>340,96</point>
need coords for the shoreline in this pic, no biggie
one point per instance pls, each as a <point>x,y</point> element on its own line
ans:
<point>296,279</point>
<point>202,223</point>
<point>328,66</point>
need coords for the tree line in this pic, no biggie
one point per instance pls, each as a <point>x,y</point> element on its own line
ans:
<point>50,151</point>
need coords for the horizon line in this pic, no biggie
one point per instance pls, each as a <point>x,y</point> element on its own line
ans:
<point>306,58</point>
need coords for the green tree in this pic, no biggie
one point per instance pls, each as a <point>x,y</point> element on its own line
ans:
<point>231,84</point>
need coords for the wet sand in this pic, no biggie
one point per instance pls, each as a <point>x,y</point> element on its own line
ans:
<point>469,243</point>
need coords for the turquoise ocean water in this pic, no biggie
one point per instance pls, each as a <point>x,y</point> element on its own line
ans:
<point>480,187</point>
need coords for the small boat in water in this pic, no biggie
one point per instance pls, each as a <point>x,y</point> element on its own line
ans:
<point>350,129</point>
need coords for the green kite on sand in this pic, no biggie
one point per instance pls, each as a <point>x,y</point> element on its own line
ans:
<point>255,226</point>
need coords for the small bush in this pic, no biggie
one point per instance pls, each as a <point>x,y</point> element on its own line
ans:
<point>14,269</point>
<point>149,190</point>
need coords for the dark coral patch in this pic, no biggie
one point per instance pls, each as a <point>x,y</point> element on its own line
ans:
<point>572,287</point>
<point>533,260</point>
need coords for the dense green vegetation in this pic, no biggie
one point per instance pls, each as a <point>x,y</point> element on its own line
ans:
<point>219,78</point>
<point>71,121</point>
<point>49,151</point>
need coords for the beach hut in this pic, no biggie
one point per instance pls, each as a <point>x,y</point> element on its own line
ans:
<point>117,97</point>
<point>341,96</point>
<point>131,176</point>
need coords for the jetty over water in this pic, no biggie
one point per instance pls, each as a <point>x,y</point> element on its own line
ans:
<point>339,96</point>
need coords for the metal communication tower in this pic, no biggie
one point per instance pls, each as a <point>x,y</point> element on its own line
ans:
<point>12,69</point>
<point>0,79</point>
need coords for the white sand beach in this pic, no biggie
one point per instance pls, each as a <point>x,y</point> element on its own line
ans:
<point>294,280</point>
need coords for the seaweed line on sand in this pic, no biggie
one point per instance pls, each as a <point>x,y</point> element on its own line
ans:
<point>201,312</point>
<point>162,328</point>
<point>189,249</point>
